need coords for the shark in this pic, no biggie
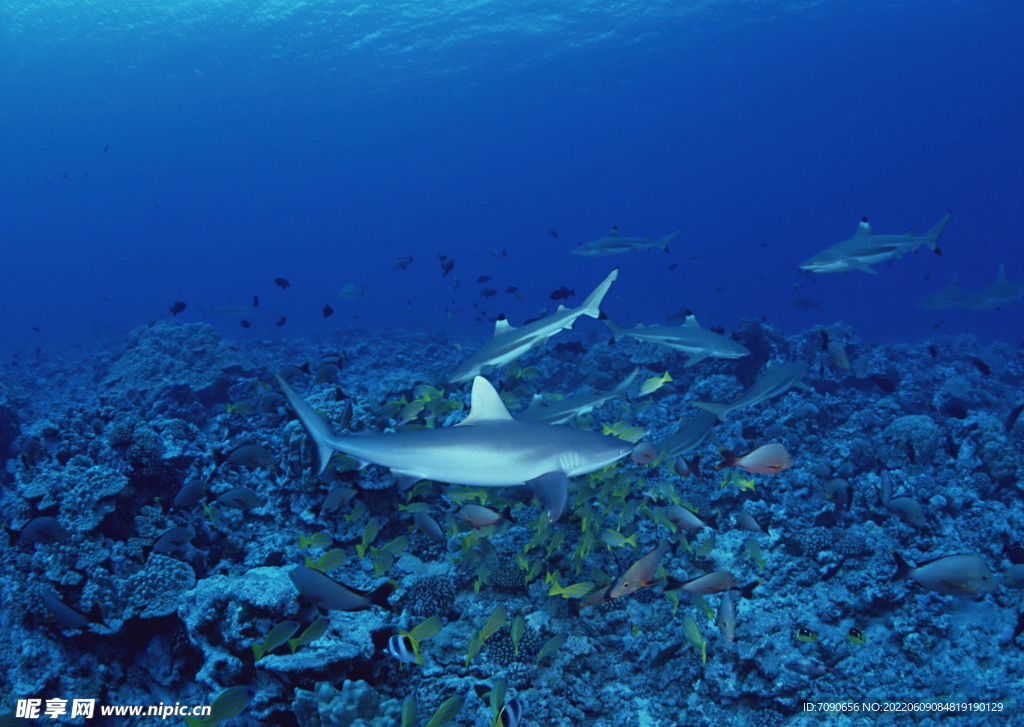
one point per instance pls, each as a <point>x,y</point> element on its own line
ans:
<point>777,380</point>
<point>565,411</point>
<point>612,244</point>
<point>866,248</point>
<point>952,296</point>
<point>510,343</point>
<point>696,342</point>
<point>690,434</point>
<point>1000,293</point>
<point>489,448</point>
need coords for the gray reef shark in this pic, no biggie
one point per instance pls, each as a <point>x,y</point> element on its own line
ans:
<point>1000,293</point>
<point>510,343</point>
<point>952,296</point>
<point>696,342</point>
<point>612,244</point>
<point>778,379</point>
<point>486,449</point>
<point>564,411</point>
<point>866,248</point>
<point>690,434</point>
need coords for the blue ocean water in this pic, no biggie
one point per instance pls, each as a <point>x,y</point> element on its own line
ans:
<point>162,152</point>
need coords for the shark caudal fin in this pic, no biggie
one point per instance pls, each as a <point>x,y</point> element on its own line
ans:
<point>933,234</point>
<point>314,424</point>
<point>592,305</point>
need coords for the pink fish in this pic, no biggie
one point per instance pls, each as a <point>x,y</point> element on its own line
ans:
<point>767,460</point>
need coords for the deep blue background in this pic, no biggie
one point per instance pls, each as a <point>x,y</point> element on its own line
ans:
<point>321,148</point>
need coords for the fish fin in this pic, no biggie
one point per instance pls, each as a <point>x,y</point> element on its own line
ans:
<point>859,265</point>
<point>864,228</point>
<point>313,423</point>
<point>405,480</point>
<point>617,331</point>
<point>695,359</point>
<point>552,491</point>
<point>673,584</point>
<point>747,591</point>
<point>902,568</point>
<point>592,305</point>
<point>719,410</point>
<point>932,238</point>
<point>502,326</point>
<point>485,404</point>
<point>379,595</point>
<point>691,321</point>
<point>622,390</point>
<point>614,232</point>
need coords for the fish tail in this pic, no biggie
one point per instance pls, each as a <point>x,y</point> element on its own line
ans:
<point>314,425</point>
<point>672,584</point>
<point>933,234</point>
<point>711,521</point>
<point>729,459</point>
<point>719,410</point>
<point>663,242</point>
<point>902,568</point>
<point>617,331</point>
<point>592,305</point>
<point>379,596</point>
<point>622,390</point>
<point>747,591</point>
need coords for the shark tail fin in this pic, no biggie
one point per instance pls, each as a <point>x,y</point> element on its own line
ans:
<point>592,305</point>
<point>663,242</point>
<point>932,238</point>
<point>622,390</point>
<point>719,410</point>
<point>617,331</point>
<point>314,424</point>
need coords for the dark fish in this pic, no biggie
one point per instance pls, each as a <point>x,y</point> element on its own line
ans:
<point>328,311</point>
<point>244,323</point>
<point>1014,416</point>
<point>174,539</point>
<point>883,382</point>
<point>66,616</point>
<point>255,301</point>
<point>563,293</point>
<point>245,455</point>
<point>720,330</point>
<point>554,234</point>
<point>933,351</point>
<point>35,328</point>
<point>488,292</point>
<point>499,253</point>
<point>281,321</point>
<point>45,530</point>
<point>403,262</point>
<point>190,494</point>
<point>955,408</point>
<point>666,655</point>
<point>511,289</point>
<point>570,347</point>
<point>446,264</point>
<point>282,283</point>
<point>177,308</point>
<point>483,278</point>
<point>106,147</point>
<point>983,367</point>
<point>326,593</point>
<point>240,497</point>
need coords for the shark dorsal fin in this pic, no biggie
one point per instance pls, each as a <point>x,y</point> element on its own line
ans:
<point>502,326</point>
<point>864,228</point>
<point>691,322</point>
<point>614,232</point>
<point>561,308</point>
<point>485,404</point>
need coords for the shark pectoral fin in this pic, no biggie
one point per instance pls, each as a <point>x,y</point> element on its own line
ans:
<point>552,491</point>
<point>405,480</point>
<point>695,359</point>
<point>859,265</point>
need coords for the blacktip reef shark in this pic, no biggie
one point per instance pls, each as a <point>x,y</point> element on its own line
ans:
<point>510,343</point>
<point>866,248</point>
<point>565,411</point>
<point>952,296</point>
<point>777,380</point>
<point>612,244</point>
<point>486,449</point>
<point>696,342</point>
